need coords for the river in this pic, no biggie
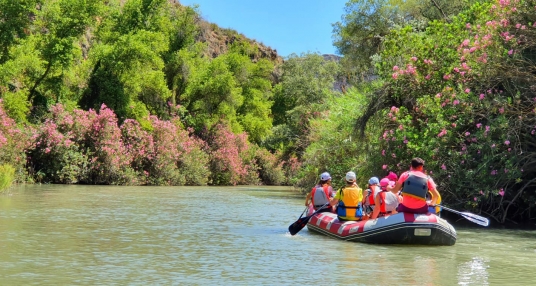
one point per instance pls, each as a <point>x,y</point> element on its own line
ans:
<point>110,235</point>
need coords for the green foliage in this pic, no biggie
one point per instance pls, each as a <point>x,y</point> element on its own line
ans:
<point>306,85</point>
<point>14,23</point>
<point>335,147</point>
<point>141,58</point>
<point>7,176</point>
<point>468,106</point>
<point>16,105</point>
<point>360,34</point>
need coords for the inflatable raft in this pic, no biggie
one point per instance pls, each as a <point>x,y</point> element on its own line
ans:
<point>400,228</point>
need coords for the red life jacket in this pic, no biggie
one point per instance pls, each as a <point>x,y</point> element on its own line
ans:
<point>382,201</point>
<point>372,195</point>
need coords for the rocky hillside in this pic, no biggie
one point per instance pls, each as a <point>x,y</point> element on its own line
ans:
<point>219,39</point>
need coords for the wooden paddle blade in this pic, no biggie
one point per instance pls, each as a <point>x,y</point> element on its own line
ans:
<point>298,225</point>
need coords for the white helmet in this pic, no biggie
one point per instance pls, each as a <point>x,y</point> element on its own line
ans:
<point>350,177</point>
<point>325,176</point>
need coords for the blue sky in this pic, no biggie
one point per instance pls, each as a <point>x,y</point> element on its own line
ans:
<point>289,26</point>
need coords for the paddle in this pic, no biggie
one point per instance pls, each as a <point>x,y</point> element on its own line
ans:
<point>469,216</point>
<point>302,221</point>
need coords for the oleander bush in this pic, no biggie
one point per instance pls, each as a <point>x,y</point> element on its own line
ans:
<point>461,96</point>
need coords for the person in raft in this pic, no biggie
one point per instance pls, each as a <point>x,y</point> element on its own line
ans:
<point>369,195</point>
<point>321,194</point>
<point>385,202</point>
<point>414,185</point>
<point>348,200</point>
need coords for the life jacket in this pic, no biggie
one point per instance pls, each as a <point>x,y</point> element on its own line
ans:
<point>388,201</point>
<point>320,196</point>
<point>349,206</point>
<point>373,191</point>
<point>437,208</point>
<point>415,186</point>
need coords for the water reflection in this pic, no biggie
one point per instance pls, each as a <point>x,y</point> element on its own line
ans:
<point>57,235</point>
<point>473,272</point>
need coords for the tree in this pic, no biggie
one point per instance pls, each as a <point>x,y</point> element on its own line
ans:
<point>306,84</point>
<point>15,19</point>
<point>360,33</point>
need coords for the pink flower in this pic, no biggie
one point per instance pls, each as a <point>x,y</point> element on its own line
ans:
<point>478,125</point>
<point>467,90</point>
<point>506,142</point>
<point>456,102</point>
<point>467,133</point>
<point>453,125</point>
<point>494,172</point>
<point>501,193</point>
<point>475,199</point>
<point>501,110</point>
<point>443,167</point>
<point>439,96</point>
<point>393,155</point>
<point>384,167</point>
<point>395,68</point>
<point>383,152</point>
<point>482,96</point>
<point>510,52</point>
<point>395,75</point>
<point>414,59</point>
<point>446,77</point>
<point>468,26</point>
<point>492,145</point>
<point>465,42</point>
<point>442,133</point>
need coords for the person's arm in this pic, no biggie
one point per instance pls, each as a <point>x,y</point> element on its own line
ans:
<point>307,198</point>
<point>335,200</point>
<point>376,210</point>
<point>396,188</point>
<point>435,196</point>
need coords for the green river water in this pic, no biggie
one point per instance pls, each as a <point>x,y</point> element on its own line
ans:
<point>108,235</point>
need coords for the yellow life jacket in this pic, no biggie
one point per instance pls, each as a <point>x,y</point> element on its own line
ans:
<point>349,207</point>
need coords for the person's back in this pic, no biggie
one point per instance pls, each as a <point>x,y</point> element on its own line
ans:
<point>321,194</point>
<point>385,202</point>
<point>371,193</point>
<point>348,200</point>
<point>415,184</point>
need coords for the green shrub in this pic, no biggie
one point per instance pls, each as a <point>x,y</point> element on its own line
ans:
<point>7,176</point>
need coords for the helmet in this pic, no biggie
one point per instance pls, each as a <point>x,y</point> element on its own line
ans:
<point>373,181</point>
<point>350,177</point>
<point>384,182</point>
<point>392,176</point>
<point>325,176</point>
